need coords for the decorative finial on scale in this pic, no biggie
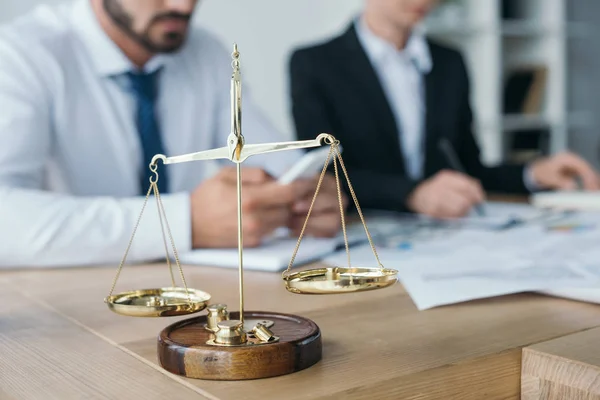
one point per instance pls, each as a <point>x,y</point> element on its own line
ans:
<point>236,53</point>
<point>236,139</point>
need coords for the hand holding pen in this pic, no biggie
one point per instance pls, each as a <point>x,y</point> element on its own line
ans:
<point>447,194</point>
<point>448,151</point>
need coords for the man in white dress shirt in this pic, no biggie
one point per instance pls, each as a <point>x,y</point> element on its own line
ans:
<point>392,97</point>
<point>89,91</point>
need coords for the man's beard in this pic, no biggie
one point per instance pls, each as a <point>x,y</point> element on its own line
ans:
<point>124,21</point>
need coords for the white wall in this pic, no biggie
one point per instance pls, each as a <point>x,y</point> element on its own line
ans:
<point>265,30</point>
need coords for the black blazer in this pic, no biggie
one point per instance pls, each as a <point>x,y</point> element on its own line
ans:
<point>335,89</point>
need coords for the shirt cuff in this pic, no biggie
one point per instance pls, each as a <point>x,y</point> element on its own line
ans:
<point>529,181</point>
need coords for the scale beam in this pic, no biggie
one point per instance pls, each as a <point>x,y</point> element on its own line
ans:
<point>229,153</point>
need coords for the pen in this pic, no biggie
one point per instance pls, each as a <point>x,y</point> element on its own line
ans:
<point>447,149</point>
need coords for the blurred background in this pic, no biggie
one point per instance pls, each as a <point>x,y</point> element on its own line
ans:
<point>534,64</point>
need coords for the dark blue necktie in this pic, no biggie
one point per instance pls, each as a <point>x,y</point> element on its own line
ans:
<point>144,87</point>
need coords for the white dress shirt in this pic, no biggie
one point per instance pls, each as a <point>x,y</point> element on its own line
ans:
<point>401,75</point>
<point>70,155</point>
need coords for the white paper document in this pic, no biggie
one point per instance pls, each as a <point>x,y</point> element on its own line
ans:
<point>273,256</point>
<point>500,216</point>
<point>577,200</point>
<point>462,264</point>
<point>276,252</point>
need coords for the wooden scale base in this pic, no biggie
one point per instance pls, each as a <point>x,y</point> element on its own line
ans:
<point>183,349</point>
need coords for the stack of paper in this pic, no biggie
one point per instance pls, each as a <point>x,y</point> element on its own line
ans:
<point>500,216</point>
<point>275,255</point>
<point>579,200</point>
<point>469,264</point>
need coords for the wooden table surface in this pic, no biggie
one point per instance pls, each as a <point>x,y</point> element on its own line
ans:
<point>59,340</point>
<point>564,368</point>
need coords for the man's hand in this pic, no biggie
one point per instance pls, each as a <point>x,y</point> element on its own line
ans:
<point>325,218</point>
<point>560,172</point>
<point>447,194</point>
<point>266,205</point>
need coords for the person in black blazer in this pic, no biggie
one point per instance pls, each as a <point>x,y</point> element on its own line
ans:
<point>365,87</point>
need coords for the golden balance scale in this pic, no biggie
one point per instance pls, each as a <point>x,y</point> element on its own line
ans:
<point>243,345</point>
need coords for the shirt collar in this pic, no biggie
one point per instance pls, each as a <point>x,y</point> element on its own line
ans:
<point>377,49</point>
<point>107,58</point>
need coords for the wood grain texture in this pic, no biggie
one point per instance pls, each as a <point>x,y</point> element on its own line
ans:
<point>372,342</point>
<point>182,349</point>
<point>263,291</point>
<point>469,380</point>
<point>422,355</point>
<point>564,368</point>
<point>45,356</point>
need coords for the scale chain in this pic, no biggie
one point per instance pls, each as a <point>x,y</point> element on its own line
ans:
<point>337,157</point>
<point>286,273</point>
<point>161,215</point>
<point>339,191</point>
<point>162,229</point>
<point>175,253</point>
<point>362,218</point>
<point>130,243</point>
